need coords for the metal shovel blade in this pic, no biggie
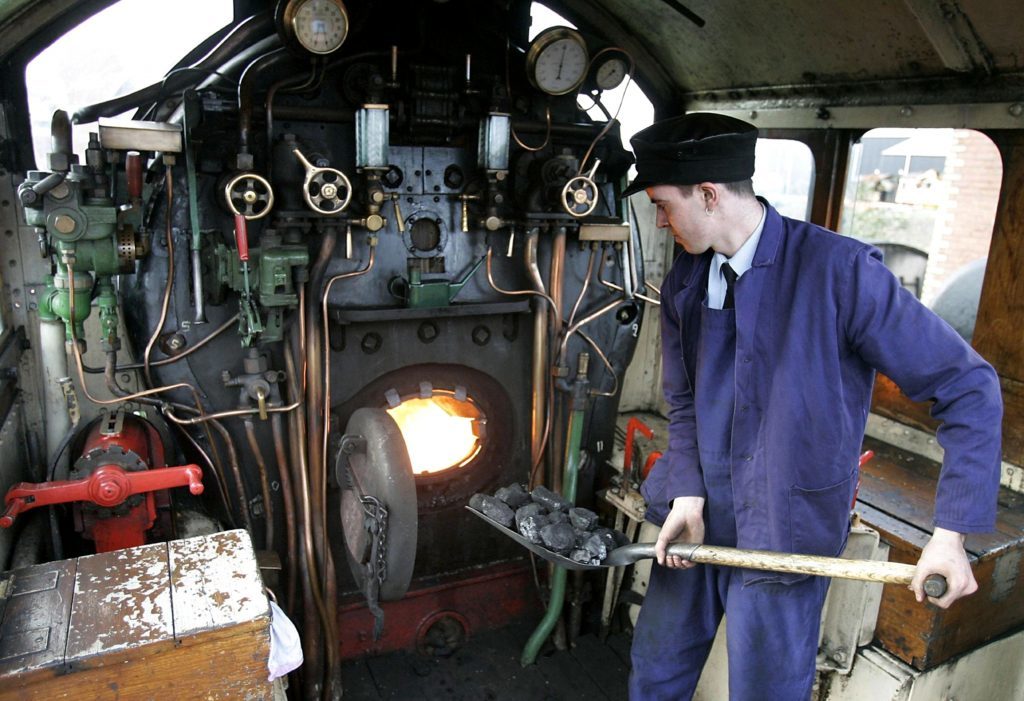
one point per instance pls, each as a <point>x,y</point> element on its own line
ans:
<point>539,550</point>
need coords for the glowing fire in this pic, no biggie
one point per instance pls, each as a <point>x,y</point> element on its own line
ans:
<point>438,432</point>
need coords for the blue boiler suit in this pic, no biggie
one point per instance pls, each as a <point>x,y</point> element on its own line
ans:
<point>767,411</point>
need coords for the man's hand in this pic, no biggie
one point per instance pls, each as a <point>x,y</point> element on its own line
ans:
<point>685,522</point>
<point>944,554</point>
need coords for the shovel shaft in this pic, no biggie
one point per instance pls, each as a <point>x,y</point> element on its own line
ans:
<point>866,570</point>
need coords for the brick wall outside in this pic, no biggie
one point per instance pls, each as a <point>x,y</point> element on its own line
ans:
<point>963,225</point>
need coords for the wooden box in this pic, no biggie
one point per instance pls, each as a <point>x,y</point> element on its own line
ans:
<point>897,495</point>
<point>182,620</point>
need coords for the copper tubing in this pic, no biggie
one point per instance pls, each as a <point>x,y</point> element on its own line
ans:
<point>288,496</point>
<point>556,317</point>
<point>203,418</point>
<point>261,466</point>
<point>539,361</point>
<point>313,580</point>
<point>617,288</point>
<point>582,322</point>
<point>236,471</point>
<point>607,364</point>
<point>185,353</point>
<point>170,276</point>
<point>586,284</point>
<point>557,271</point>
<point>327,352</point>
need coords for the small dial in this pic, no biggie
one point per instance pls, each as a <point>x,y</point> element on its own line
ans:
<point>320,26</point>
<point>557,61</point>
<point>610,74</point>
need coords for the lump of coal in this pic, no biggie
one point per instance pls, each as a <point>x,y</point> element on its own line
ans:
<point>596,547</point>
<point>580,556</point>
<point>493,508</point>
<point>530,509</point>
<point>531,525</point>
<point>608,538</point>
<point>559,537</point>
<point>514,495</point>
<point>582,519</point>
<point>611,539</point>
<point>548,499</point>
<point>558,517</point>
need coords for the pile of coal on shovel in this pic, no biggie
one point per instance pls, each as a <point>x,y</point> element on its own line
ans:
<point>548,521</point>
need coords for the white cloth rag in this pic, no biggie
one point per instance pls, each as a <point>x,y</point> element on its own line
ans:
<point>285,646</point>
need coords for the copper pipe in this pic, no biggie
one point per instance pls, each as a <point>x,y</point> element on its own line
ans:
<point>557,271</point>
<point>607,364</point>
<point>261,466</point>
<point>582,322</point>
<point>170,276</point>
<point>586,284</point>
<point>288,496</point>
<point>539,361</point>
<point>649,300</point>
<point>307,517</point>
<point>236,471</point>
<point>556,318</point>
<point>557,282</point>
<point>327,353</point>
<point>229,413</point>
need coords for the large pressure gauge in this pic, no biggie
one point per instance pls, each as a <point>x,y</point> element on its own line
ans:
<point>318,26</point>
<point>557,61</point>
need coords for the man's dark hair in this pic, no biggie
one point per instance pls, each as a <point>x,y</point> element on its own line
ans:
<point>743,188</point>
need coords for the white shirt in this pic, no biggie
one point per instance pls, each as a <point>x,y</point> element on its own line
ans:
<point>740,262</point>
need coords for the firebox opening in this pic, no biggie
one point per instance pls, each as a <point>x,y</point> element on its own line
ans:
<point>441,432</point>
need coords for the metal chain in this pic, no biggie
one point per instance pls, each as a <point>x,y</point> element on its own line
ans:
<point>377,518</point>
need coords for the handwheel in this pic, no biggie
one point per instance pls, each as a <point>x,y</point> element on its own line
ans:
<point>326,190</point>
<point>580,196</point>
<point>249,195</point>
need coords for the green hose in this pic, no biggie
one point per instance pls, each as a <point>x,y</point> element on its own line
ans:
<point>572,463</point>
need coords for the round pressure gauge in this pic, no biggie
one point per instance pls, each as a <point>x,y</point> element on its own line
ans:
<point>557,61</point>
<point>611,73</point>
<point>319,26</point>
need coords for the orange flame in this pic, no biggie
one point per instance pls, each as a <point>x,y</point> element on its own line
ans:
<point>438,434</point>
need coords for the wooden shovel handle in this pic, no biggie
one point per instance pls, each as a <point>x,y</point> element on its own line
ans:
<point>867,570</point>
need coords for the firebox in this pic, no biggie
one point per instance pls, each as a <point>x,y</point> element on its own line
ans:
<point>454,383</point>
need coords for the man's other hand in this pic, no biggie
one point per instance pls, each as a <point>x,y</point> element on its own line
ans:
<point>685,522</point>
<point>944,554</point>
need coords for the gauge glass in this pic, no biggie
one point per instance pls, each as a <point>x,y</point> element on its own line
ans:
<point>610,74</point>
<point>320,25</point>
<point>557,61</point>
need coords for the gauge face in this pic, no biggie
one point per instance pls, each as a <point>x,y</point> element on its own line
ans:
<point>610,74</point>
<point>320,26</point>
<point>557,61</point>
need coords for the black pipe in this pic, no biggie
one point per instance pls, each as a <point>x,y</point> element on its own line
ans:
<point>241,35</point>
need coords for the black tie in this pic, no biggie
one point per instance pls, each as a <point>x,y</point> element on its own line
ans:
<point>730,283</point>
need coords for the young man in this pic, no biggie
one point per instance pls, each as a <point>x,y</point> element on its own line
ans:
<point>772,330</point>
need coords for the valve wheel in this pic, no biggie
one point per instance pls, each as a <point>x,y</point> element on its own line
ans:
<point>249,195</point>
<point>580,196</point>
<point>327,191</point>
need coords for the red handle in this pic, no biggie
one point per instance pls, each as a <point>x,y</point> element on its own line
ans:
<point>632,427</point>
<point>242,237</point>
<point>133,172</point>
<point>107,486</point>
<point>649,463</point>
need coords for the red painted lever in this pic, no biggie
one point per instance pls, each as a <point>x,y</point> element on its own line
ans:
<point>107,486</point>
<point>242,237</point>
<point>649,463</point>
<point>632,426</point>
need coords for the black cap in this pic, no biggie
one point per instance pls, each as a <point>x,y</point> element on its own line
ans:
<point>694,148</point>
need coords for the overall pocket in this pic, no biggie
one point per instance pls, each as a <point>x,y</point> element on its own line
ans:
<point>819,519</point>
